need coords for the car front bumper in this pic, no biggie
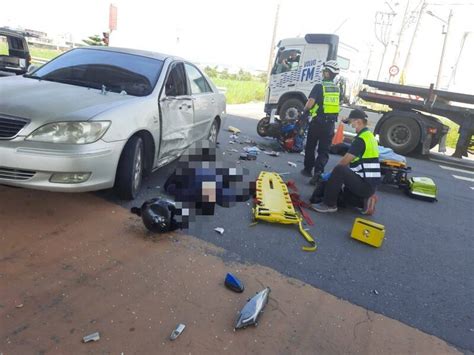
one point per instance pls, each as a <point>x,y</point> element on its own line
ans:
<point>32,164</point>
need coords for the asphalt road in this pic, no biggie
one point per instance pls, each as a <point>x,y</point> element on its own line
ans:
<point>423,273</point>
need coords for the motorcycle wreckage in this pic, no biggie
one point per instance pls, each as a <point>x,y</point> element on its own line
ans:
<point>289,132</point>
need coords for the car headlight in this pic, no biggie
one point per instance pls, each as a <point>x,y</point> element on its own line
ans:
<point>70,132</point>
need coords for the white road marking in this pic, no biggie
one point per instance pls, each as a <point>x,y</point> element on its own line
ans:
<point>450,162</point>
<point>463,178</point>
<point>456,169</point>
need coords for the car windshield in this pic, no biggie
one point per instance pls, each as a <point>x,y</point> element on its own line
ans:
<point>112,71</point>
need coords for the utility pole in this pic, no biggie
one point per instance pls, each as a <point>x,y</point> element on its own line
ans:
<point>383,23</point>
<point>455,68</point>
<point>400,34</point>
<point>440,69</point>
<point>417,26</point>
<point>272,48</point>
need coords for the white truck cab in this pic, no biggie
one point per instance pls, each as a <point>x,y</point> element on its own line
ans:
<point>297,68</point>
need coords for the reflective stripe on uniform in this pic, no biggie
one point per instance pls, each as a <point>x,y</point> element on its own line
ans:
<point>372,175</point>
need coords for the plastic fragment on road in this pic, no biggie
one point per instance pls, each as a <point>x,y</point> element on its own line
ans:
<point>292,164</point>
<point>91,337</point>
<point>252,309</point>
<point>233,283</point>
<point>273,153</point>
<point>219,230</point>
<point>252,150</point>
<point>177,331</point>
<point>233,130</point>
<point>375,292</point>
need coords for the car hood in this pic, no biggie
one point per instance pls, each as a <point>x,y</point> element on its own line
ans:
<point>45,101</point>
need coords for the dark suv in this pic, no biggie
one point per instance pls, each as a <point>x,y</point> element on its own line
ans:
<point>14,54</point>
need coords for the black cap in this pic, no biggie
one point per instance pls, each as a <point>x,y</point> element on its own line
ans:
<point>357,114</point>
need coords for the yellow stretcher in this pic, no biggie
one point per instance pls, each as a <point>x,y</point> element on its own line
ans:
<point>274,204</point>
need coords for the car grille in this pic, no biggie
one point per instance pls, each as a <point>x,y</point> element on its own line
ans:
<point>15,174</point>
<point>10,126</point>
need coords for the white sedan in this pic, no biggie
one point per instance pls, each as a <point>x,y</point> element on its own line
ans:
<point>102,117</point>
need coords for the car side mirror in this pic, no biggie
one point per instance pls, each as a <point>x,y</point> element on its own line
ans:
<point>32,68</point>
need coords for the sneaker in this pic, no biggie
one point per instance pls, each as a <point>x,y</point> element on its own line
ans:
<point>323,208</point>
<point>306,173</point>
<point>369,205</point>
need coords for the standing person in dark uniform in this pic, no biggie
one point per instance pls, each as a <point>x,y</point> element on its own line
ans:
<point>358,171</point>
<point>323,108</point>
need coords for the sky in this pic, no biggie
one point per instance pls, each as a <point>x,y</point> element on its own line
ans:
<point>239,33</point>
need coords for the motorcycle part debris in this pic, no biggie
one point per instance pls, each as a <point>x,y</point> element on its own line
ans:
<point>177,331</point>
<point>219,230</point>
<point>91,337</point>
<point>233,283</point>
<point>252,309</point>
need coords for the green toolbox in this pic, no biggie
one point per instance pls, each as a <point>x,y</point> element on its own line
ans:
<point>422,188</point>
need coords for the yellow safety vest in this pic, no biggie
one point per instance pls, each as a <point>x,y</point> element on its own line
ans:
<point>367,166</point>
<point>331,97</point>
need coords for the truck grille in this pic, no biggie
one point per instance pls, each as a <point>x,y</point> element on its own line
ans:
<point>15,174</point>
<point>10,126</point>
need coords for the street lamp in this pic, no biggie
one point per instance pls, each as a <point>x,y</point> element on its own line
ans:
<point>447,23</point>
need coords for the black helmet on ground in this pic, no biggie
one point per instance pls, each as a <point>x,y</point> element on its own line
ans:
<point>157,215</point>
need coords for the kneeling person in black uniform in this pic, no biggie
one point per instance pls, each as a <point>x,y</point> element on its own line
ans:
<point>358,170</point>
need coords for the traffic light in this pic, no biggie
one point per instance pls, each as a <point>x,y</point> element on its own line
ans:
<point>105,38</point>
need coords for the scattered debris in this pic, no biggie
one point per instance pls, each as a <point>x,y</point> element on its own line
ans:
<point>234,130</point>
<point>375,292</point>
<point>19,305</point>
<point>219,230</point>
<point>286,173</point>
<point>231,142</point>
<point>233,283</point>
<point>249,141</point>
<point>292,164</point>
<point>247,156</point>
<point>273,153</point>
<point>177,331</point>
<point>252,309</point>
<point>302,153</point>
<point>234,137</point>
<point>233,150</point>
<point>252,150</point>
<point>91,337</point>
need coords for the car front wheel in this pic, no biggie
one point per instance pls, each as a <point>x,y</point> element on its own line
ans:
<point>213,132</point>
<point>130,169</point>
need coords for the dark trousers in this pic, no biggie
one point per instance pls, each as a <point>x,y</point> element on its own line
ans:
<point>320,134</point>
<point>343,175</point>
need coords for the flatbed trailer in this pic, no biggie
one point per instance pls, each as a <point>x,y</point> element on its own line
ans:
<point>412,124</point>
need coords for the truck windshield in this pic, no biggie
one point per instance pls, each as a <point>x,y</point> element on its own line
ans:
<point>117,72</point>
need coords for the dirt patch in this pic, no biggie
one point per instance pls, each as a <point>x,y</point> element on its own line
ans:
<point>79,265</point>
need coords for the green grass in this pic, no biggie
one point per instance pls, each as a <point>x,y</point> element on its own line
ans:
<point>44,53</point>
<point>241,92</point>
<point>34,51</point>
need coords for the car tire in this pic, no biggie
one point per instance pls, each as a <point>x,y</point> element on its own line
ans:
<point>400,134</point>
<point>130,169</point>
<point>291,108</point>
<point>213,132</point>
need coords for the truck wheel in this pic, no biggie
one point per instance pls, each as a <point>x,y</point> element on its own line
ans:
<point>291,108</point>
<point>262,126</point>
<point>130,169</point>
<point>401,134</point>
